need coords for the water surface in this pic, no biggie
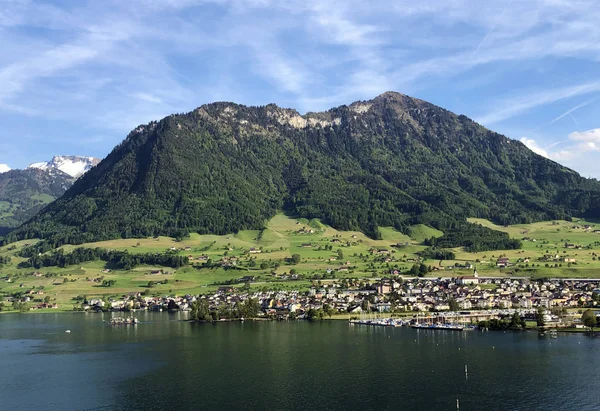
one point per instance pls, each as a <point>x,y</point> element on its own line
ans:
<point>165,363</point>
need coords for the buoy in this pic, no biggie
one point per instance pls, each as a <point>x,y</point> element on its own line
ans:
<point>68,331</point>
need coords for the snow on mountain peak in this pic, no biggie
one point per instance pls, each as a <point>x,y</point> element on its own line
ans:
<point>4,168</point>
<point>75,166</point>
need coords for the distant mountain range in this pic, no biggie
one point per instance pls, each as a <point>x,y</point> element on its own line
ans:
<point>23,193</point>
<point>391,161</point>
<point>75,166</point>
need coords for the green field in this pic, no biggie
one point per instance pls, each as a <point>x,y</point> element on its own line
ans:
<point>321,249</point>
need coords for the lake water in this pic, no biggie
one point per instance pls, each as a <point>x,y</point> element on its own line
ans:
<point>165,363</point>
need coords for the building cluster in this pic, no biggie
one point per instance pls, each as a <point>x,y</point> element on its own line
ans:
<point>468,293</point>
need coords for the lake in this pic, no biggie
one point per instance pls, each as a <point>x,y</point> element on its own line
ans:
<point>166,363</point>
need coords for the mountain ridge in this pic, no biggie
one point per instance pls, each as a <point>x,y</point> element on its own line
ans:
<point>390,161</point>
<point>24,192</point>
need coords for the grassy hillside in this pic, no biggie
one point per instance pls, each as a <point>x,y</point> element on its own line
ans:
<point>283,237</point>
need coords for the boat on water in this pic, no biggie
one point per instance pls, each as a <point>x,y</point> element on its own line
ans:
<point>123,321</point>
<point>384,322</point>
<point>439,326</point>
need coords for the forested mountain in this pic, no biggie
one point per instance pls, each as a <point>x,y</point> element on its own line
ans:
<point>23,193</point>
<point>391,161</point>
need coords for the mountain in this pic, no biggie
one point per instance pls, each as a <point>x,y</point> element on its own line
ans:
<point>391,161</point>
<point>75,166</point>
<point>23,193</point>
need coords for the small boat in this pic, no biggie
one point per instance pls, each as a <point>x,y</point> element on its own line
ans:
<point>123,321</point>
<point>68,331</point>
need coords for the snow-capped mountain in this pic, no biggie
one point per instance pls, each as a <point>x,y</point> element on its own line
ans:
<point>75,166</point>
<point>4,168</point>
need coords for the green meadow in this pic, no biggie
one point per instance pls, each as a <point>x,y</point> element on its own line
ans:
<point>325,255</point>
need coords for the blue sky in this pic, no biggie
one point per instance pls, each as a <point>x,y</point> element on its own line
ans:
<point>76,76</point>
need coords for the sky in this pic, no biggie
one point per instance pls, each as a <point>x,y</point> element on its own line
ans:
<point>76,76</point>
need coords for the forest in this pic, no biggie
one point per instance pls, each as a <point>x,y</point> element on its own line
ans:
<point>226,167</point>
<point>116,259</point>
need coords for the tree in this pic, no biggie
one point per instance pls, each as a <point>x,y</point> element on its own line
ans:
<point>264,265</point>
<point>516,322</point>
<point>296,258</point>
<point>588,318</point>
<point>539,317</point>
<point>200,310</point>
<point>315,315</point>
<point>453,304</point>
<point>340,253</point>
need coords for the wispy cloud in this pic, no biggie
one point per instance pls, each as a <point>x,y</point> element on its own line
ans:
<point>520,104</point>
<point>71,70</point>
<point>570,111</point>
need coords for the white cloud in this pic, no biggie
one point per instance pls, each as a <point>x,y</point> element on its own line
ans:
<point>579,153</point>
<point>151,98</point>
<point>4,168</point>
<point>534,146</point>
<point>589,136</point>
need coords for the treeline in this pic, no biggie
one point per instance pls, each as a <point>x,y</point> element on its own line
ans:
<point>504,324</point>
<point>118,259</point>
<point>202,312</point>
<point>474,238</point>
<point>433,253</point>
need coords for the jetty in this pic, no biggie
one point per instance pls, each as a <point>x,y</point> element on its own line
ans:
<point>382,322</point>
<point>438,326</point>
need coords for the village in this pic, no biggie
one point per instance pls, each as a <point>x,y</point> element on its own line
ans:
<point>474,298</point>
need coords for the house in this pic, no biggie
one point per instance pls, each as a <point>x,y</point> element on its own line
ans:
<point>383,307</point>
<point>306,245</point>
<point>344,268</point>
<point>467,280</point>
<point>255,251</point>
<point>569,260</point>
<point>384,288</point>
<point>155,272</point>
<point>502,262</point>
<point>225,290</point>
